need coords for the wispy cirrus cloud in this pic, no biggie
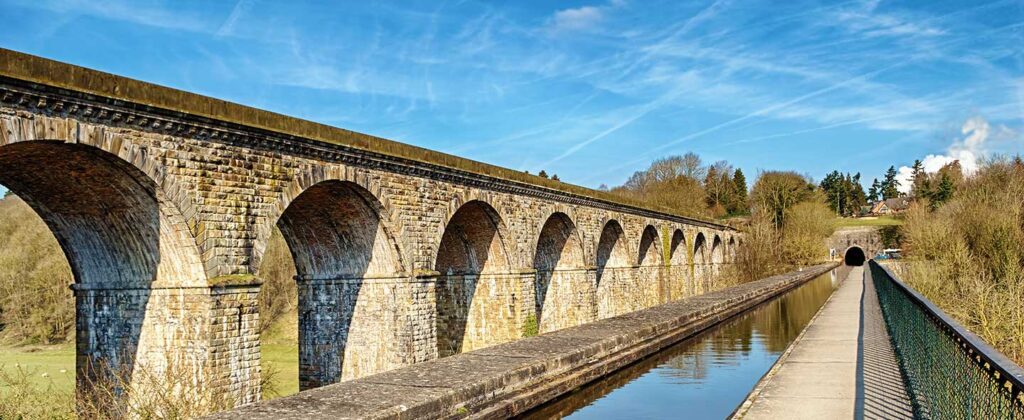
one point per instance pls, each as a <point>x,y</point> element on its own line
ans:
<point>602,84</point>
<point>864,18</point>
<point>241,8</point>
<point>148,13</point>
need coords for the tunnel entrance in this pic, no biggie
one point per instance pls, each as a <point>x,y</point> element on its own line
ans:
<point>854,256</point>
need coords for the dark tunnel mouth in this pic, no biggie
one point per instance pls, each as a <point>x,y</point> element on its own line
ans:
<point>854,256</point>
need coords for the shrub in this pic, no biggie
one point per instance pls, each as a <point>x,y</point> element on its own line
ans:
<point>803,235</point>
<point>967,255</point>
<point>788,227</point>
<point>756,254</point>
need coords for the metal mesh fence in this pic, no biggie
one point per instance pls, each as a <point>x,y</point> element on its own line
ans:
<point>949,372</point>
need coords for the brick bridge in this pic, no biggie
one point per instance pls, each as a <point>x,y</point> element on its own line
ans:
<point>164,201</point>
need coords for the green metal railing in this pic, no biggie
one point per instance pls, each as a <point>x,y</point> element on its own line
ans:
<point>949,372</point>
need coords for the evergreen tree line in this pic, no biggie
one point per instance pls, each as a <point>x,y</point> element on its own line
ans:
<point>937,188</point>
<point>888,188</point>
<point>844,193</point>
<point>846,196</point>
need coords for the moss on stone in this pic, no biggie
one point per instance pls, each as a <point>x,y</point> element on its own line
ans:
<point>234,280</point>
<point>530,326</point>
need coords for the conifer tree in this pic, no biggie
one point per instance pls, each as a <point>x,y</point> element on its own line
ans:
<point>890,185</point>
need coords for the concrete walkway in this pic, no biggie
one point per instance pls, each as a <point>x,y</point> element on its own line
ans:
<point>842,365</point>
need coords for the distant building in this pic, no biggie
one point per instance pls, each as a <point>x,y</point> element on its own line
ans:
<point>890,206</point>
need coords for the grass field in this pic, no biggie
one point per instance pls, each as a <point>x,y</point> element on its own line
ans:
<point>868,221</point>
<point>279,347</point>
<point>43,365</point>
<point>55,365</point>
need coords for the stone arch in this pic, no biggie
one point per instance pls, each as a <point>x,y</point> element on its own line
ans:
<point>473,241</point>
<point>474,266</point>
<point>717,251</point>
<point>559,246</point>
<point>175,195</point>
<point>335,229</point>
<point>559,261</point>
<point>559,210</point>
<point>701,264</point>
<point>679,269</point>
<point>717,257</point>
<point>700,249</point>
<point>611,248</point>
<point>497,212</point>
<point>650,248</point>
<point>649,286</point>
<point>731,257</point>
<point>854,256</point>
<point>339,241</point>
<point>678,248</point>
<point>308,177</point>
<point>613,271</point>
<point>130,251</point>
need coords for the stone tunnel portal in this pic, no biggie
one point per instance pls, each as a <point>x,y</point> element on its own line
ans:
<point>854,256</point>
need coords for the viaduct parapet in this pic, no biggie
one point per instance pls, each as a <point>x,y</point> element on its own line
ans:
<point>164,201</point>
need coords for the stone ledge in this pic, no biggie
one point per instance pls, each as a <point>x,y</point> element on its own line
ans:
<point>96,85</point>
<point>508,379</point>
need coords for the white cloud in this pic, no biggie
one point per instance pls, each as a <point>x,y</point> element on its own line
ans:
<point>581,18</point>
<point>968,150</point>
<point>584,18</point>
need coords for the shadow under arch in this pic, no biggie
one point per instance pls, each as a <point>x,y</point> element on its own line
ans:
<point>649,280</point>
<point>700,264</point>
<point>679,265</point>
<point>717,251</point>
<point>650,248</point>
<point>854,256</point>
<point>560,264</point>
<point>717,259</point>
<point>126,243</point>
<point>474,266</point>
<point>613,266</point>
<point>338,242</point>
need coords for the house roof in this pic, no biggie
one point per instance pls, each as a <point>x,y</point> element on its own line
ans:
<point>898,203</point>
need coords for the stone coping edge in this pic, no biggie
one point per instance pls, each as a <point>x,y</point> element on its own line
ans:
<point>509,379</point>
<point>37,70</point>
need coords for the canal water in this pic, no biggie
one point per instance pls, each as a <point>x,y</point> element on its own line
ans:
<point>706,376</point>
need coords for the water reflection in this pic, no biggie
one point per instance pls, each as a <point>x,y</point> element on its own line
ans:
<point>706,376</point>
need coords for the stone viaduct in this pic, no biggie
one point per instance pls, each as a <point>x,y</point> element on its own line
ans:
<point>163,202</point>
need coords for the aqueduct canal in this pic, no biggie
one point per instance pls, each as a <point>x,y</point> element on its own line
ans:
<point>423,277</point>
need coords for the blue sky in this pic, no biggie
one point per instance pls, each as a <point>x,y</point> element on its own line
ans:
<point>589,90</point>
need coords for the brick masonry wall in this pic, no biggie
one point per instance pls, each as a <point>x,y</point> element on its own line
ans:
<point>223,195</point>
<point>233,362</point>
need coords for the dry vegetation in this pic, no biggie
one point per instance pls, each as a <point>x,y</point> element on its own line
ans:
<point>787,229</point>
<point>967,255</point>
<point>36,305</point>
<point>689,187</point>
<point>789,215</point>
